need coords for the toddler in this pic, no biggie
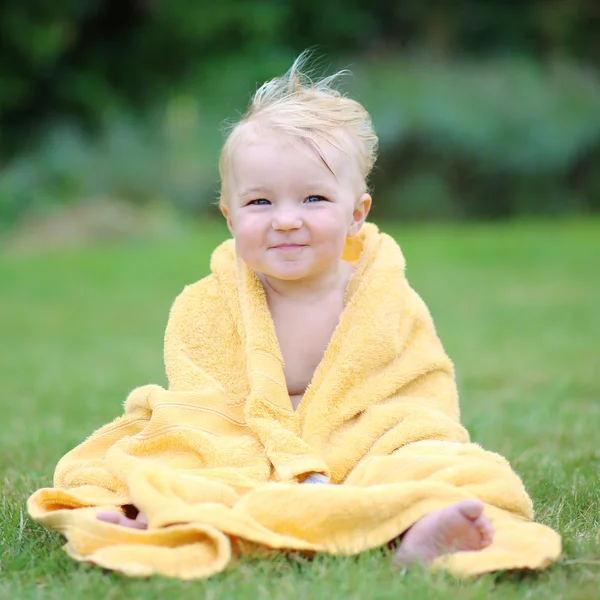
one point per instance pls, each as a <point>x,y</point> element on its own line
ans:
<point>293,188</point>
<point>304,357</point>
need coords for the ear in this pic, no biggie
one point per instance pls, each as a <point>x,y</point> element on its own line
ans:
<point>361,210</point>
<point>225,213</point>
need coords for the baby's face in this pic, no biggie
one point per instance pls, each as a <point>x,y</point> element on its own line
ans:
<point>289,214</point>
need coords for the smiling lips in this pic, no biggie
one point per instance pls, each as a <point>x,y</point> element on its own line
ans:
<point>288,246</point>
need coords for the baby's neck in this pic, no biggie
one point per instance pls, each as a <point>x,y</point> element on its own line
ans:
<point>312,290</point>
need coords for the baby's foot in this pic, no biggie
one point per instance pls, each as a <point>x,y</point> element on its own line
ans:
<point>116,518</point>
<point>459,527</point>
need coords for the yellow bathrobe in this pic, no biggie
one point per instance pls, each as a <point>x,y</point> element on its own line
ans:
<point>215,460</point>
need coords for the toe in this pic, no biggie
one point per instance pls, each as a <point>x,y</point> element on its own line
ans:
<point>142,520</point>
<point>137,524</point>
<point>486,531</point>
<point>471,509</point>
<point>109,516</point>
<point>116,518</point>
<point>489,535</point>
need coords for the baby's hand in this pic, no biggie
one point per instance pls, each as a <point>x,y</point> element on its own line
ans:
<point>116,518</point>
<point>316,478</point>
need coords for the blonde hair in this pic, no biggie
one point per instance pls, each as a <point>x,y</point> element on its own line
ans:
<point>310,111</point>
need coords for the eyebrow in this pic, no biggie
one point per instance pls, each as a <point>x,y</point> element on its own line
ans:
<point>253,190</point>
<point>317,185</point>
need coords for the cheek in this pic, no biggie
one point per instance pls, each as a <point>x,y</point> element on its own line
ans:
<point>249,226</point>
<point>332,226</point>
<point>330,239</point>
<point>249,236</point>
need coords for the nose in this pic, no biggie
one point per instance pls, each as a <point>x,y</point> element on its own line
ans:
<point>286,218</point>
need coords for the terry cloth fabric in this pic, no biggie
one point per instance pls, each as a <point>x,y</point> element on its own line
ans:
<point>215,460</point>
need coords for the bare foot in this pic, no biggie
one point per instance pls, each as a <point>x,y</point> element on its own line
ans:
<point>456,528</point>
<point>116,518</point>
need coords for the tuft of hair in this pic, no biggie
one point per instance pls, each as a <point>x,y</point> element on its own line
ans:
<point>307,109</point>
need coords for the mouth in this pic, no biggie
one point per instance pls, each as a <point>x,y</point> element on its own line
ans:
<point>288,246</point>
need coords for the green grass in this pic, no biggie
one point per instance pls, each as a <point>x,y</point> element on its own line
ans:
<point>516,306</point>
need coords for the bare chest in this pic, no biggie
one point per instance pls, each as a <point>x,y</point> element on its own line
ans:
<point>303,338</point>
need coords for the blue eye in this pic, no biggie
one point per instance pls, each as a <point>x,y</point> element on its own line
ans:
<point>312,199</point>
<point>259,202</point>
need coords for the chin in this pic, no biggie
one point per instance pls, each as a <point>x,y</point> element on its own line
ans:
<point>287,276</point>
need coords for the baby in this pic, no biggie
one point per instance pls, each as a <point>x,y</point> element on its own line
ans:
<point>293,189</point>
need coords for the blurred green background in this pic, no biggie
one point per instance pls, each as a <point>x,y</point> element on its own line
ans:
<point>485,109</point>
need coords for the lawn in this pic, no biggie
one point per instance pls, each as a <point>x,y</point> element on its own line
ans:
<point>517,307</point>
